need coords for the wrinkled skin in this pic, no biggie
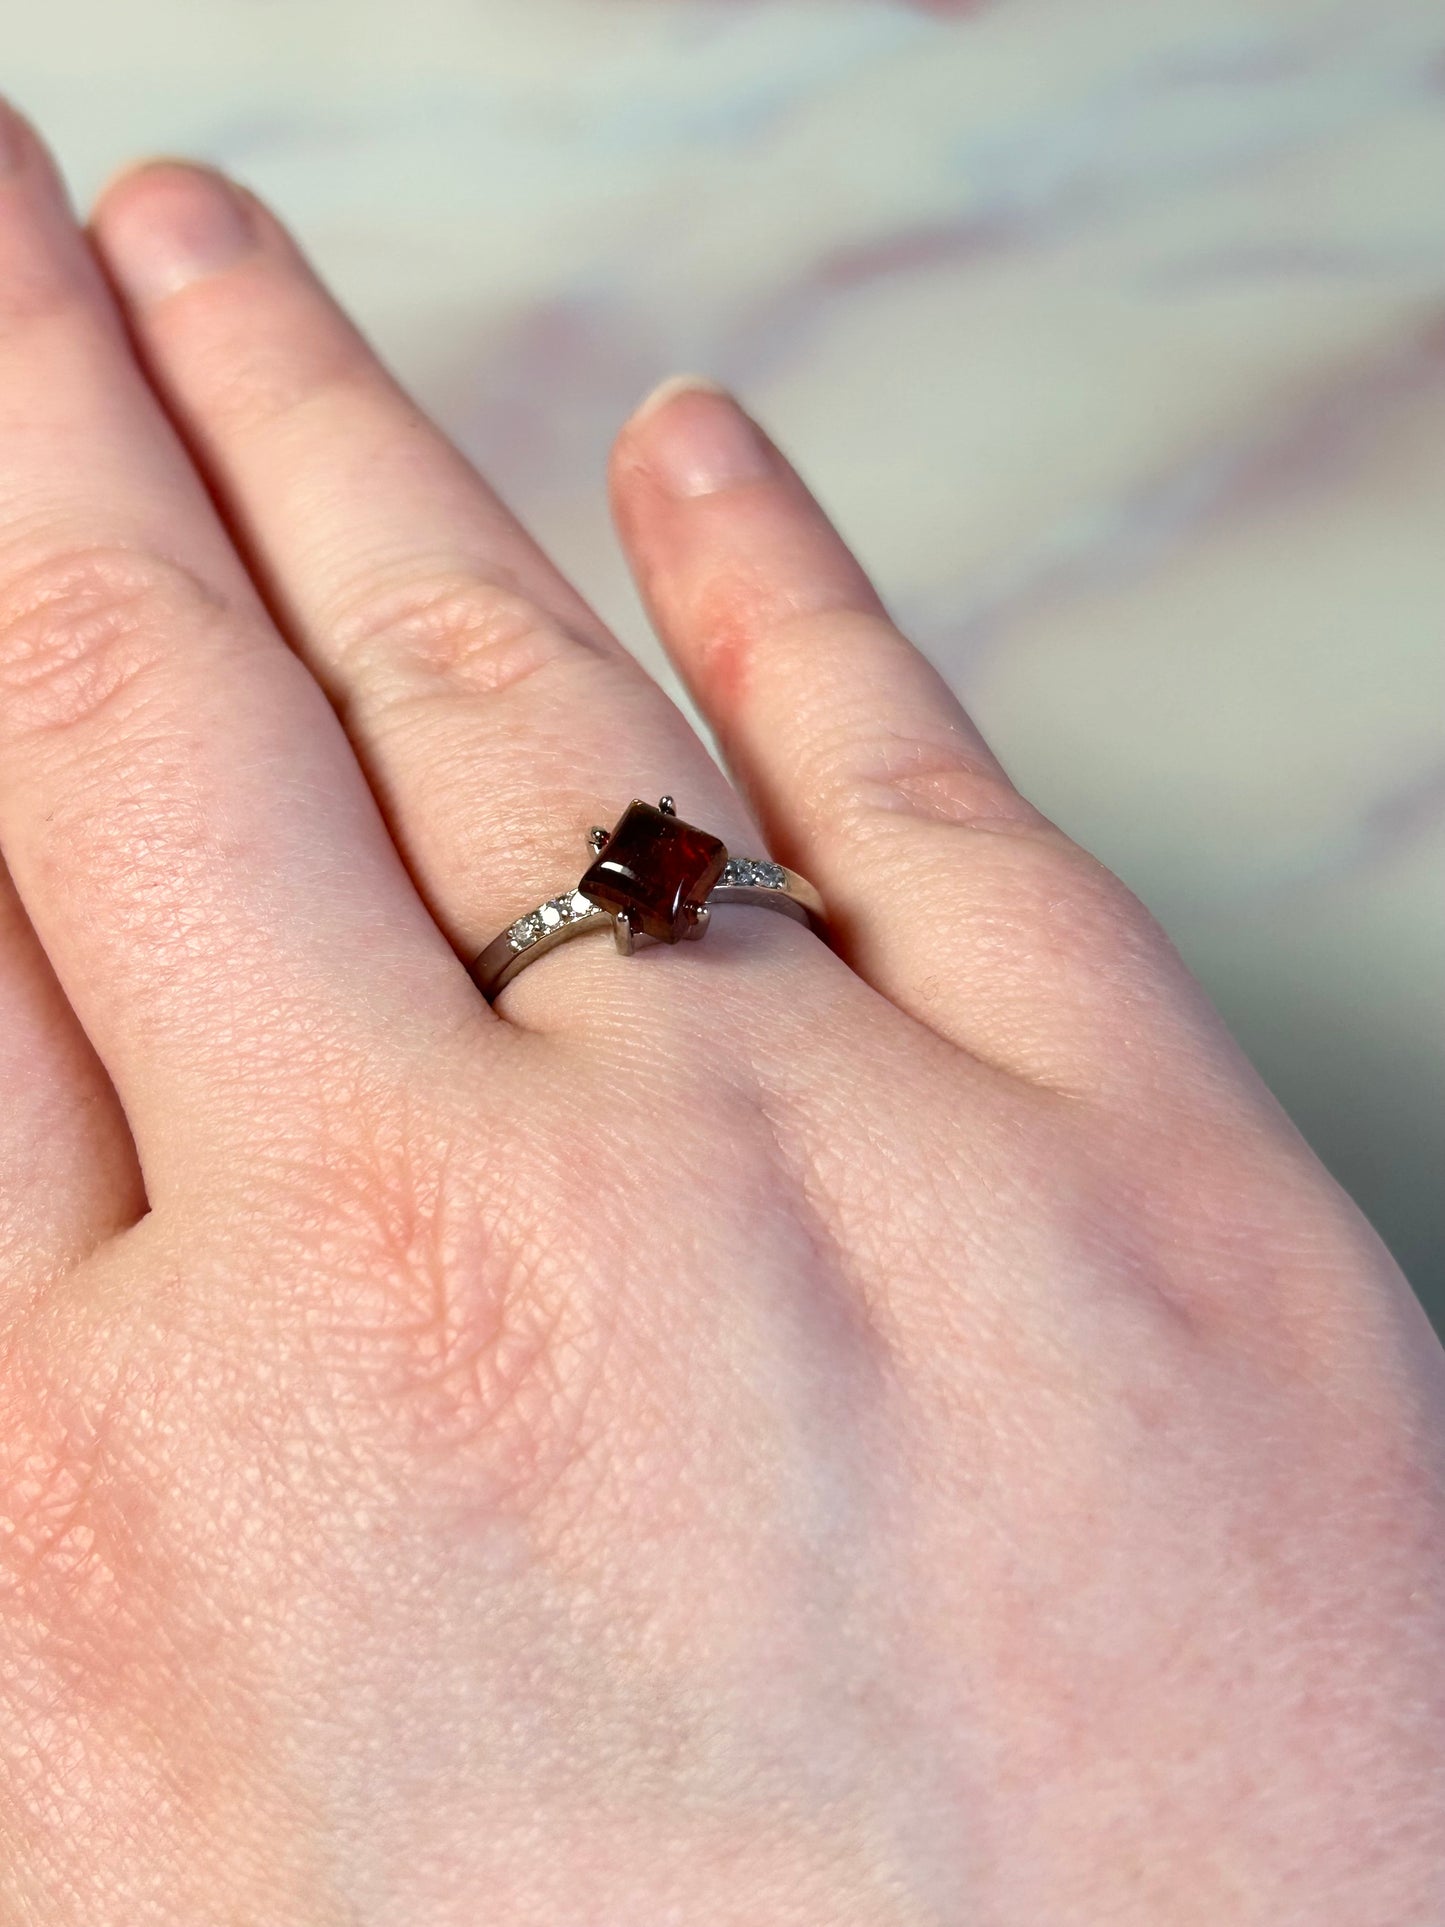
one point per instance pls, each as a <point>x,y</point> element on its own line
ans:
<point>897,1433</point>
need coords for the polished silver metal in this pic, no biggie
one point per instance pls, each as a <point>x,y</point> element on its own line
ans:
<point>755,882</point>
<point>625,932</point>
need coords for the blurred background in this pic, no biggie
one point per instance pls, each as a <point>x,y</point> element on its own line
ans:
<point>1114,336</point>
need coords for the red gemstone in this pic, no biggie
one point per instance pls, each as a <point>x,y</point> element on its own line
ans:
<point>654,866</point>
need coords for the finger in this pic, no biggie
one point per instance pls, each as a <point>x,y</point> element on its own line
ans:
<point>68,1172</point>
<point>949,891</point>
<point>496,717</point>
<point>183,818</point>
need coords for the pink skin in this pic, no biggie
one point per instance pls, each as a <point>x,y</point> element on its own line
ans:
<point>900,1433</point>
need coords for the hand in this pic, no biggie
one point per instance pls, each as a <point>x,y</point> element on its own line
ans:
<point>745,1434</point>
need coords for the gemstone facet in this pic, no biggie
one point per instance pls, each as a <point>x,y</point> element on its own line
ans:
<point>655,866</point>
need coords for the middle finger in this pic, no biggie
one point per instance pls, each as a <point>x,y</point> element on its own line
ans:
<point>183,818</point>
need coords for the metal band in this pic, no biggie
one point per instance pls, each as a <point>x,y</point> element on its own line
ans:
<point>761,884</point>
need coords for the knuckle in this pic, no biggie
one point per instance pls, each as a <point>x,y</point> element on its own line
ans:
<point>89,632</point>
<point>453,632</point>
<point>945,783</point>
<point>880,737</point>
<point>942,786</point>
<point>739,612</point>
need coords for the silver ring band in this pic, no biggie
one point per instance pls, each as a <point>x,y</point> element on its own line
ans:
<point>759,883</point>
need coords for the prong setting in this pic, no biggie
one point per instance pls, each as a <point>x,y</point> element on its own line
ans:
<point>655,866</point>
<point>671,877</point>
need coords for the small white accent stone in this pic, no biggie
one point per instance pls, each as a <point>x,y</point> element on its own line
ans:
<point>755,874</point>
<point>581,906</point>
<point>551,915</point>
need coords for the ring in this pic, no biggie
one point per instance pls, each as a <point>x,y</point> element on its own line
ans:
<point>651,877</point>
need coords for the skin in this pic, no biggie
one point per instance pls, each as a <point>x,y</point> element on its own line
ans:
<point>897,1433</point>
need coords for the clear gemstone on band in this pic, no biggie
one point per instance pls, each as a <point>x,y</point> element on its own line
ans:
<point>550,916</point>
<point>755,874</point>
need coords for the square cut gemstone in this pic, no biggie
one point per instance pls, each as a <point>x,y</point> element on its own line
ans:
<point>655,865</point>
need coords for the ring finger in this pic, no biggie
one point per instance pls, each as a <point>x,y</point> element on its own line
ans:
<point>496,716</point>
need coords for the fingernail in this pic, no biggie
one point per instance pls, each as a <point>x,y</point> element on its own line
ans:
<point>183,225</point>
<point>696,439</point>
<point>12,140</point>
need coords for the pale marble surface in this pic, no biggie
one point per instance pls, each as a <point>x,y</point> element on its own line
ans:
<point>1113,333</point>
